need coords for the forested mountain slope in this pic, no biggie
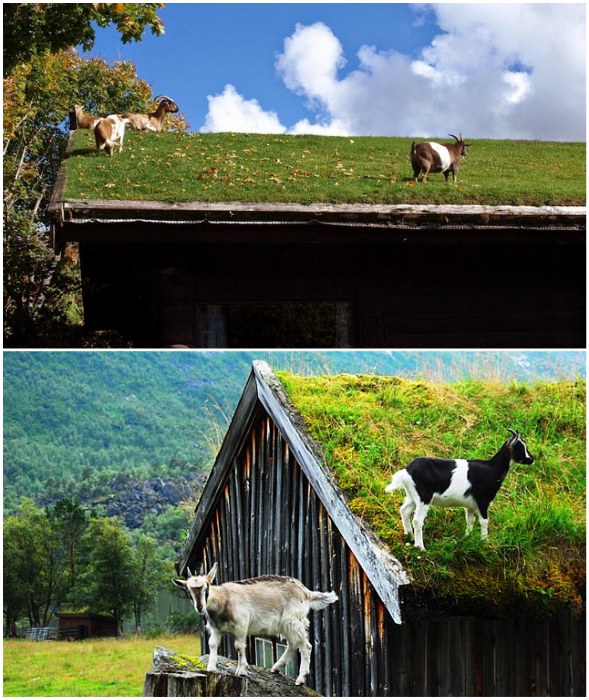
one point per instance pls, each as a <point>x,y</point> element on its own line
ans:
<point>102,426</point>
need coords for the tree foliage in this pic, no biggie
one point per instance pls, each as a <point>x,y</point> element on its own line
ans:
<point>44,77</point>
<point>64,557</point>
<point>34,29</point>
<point>42,290</point>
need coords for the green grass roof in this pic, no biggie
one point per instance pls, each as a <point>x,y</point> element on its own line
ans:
<point>369,426</point>
<point>319,169</point>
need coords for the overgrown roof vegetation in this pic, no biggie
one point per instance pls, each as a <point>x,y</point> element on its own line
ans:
<point>231,167</point>
<point>369,426</point>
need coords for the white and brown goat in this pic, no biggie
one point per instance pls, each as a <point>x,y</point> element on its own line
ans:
<point>430,157</point>
<point>153,121</point>
<point>84,121</point>
<point>108,132</point>
<point>269,605</point>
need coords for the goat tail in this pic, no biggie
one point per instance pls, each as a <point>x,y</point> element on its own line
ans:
<point>319,600</point>
<point>413,147</point>
<point>398,481</point>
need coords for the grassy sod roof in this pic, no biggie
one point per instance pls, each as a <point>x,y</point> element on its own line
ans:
<point>257,168</point>
<point>370,426</point>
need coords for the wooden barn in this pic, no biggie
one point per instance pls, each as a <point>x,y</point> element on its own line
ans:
<point>208,274</point>
<point>271,506</point>
<point>85,625</point>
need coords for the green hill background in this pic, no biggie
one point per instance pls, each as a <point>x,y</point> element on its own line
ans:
<point>97,426</point>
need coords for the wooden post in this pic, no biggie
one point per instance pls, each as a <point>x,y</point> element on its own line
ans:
<point>72,117</point>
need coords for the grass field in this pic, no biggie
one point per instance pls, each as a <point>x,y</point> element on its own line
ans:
<point>91,668</point>
<point>319,169</point>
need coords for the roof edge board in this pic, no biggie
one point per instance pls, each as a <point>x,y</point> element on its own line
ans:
<point>83,211</point>
<point>381,567</point>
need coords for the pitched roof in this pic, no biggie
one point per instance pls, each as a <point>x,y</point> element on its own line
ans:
<point>384,571</point>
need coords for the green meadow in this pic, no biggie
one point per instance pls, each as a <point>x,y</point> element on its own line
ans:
<point>250,168</point>
<point>90,668</point>
<point>534,559</point>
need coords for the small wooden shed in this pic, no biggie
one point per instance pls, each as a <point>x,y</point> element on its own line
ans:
<point>271,506</point>
<point>85,625</point>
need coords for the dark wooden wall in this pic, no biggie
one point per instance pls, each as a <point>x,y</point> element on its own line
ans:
<point>485,289</point>
<point>520,656</point>
<point>269,520</point>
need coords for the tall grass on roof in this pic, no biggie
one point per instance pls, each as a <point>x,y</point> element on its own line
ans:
<point>319,169</point>
<point>370,426</point>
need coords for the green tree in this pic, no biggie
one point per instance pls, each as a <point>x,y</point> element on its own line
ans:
<point>109,581</point>
<point>33,29</point>
<point>69,521</point>
<point>44,76</point>
<point>151,574</point>
<point>34,572</point>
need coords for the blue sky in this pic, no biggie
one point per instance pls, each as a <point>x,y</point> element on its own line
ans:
<point>487,70</point>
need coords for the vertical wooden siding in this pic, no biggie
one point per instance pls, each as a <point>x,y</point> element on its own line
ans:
<point>517,656</point>
<point>269,520</point>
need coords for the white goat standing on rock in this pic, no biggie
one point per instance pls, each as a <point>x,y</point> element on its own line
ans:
<point>471,484</point>
<point>273,605</point>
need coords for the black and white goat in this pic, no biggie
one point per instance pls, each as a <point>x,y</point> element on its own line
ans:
<point>430,157</point>
<point>153,121</point>
<point>273,605</point>
<point>471,484</point>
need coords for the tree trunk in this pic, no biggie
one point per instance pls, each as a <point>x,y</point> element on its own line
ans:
<point>176,675</point>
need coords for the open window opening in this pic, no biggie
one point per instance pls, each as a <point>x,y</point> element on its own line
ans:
<point>268,652</point>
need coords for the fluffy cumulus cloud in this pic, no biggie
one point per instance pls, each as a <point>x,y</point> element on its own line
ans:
<point>493,70</point>
<point>229,111</point>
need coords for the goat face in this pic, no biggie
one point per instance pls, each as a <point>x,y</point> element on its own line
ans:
<point>197,587</point>
<point>518,449</point>
<point>169,104</point>
<point>460,142</point>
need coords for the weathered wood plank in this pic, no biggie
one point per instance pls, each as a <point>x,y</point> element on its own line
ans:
<point>385,571</point>
<point>381,214</point>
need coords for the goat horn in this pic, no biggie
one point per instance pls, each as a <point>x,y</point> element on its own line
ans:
<point>162,97</point>
<point>456,137</point>
<point>513,432</point>
<point>190,572</point>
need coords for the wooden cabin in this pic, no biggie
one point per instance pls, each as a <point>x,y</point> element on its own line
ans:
<point>271,506</point>
<point>86,625</point>
<point>263,275</point>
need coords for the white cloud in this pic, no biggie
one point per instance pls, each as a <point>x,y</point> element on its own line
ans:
<point>229,111</point>
<point>494,70</point>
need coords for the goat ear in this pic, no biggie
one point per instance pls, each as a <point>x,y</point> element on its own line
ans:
<point>181,583</point>
<point>514,433</point>
<point>212,573</point>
